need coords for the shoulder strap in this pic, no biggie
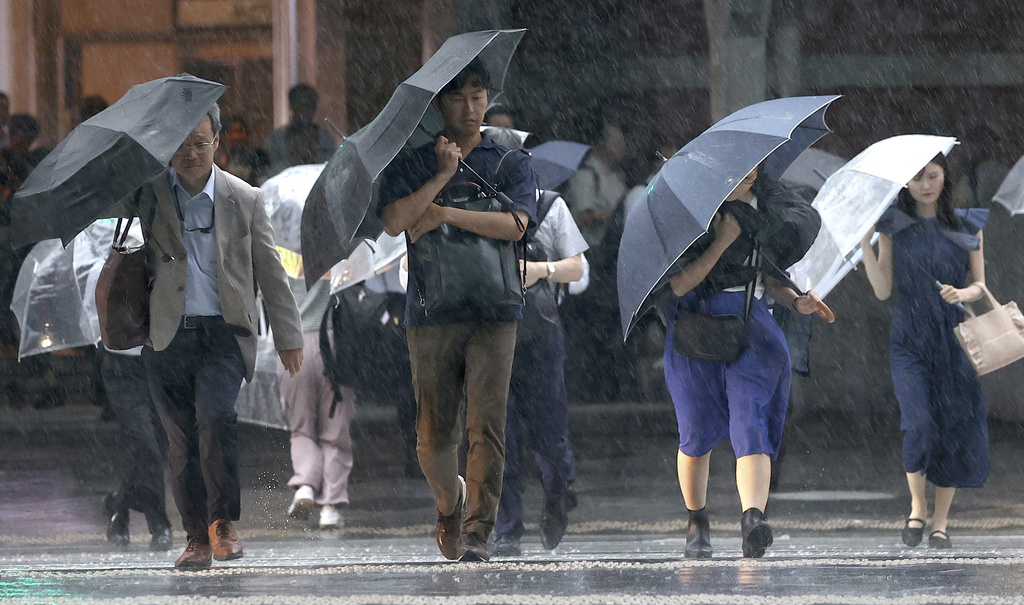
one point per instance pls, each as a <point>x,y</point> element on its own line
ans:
<point>755,261</point>
<point>544,204</point>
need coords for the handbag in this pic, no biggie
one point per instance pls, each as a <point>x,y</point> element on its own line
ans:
<point>459,268</point>
<point>994,339</point>
<point>721,338</point>
<point>123,289</point>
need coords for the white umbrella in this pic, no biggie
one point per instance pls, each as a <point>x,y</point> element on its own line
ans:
<point>853,199</point>
<point>284,196</point>
<point>1011,191</point>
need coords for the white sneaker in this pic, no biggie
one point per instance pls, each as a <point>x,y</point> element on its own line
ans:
<point>302,503</point>
<point>330,517</point>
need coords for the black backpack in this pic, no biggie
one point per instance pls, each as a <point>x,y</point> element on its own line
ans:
<point>369,351</point>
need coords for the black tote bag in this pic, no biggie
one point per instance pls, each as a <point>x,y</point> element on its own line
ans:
<point>458,268</point>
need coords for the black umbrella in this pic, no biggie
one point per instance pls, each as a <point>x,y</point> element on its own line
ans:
<point>686,193</point>
<point>337,214</point>
<point>108,157</point>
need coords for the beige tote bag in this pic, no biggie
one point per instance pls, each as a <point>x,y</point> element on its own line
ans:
<point>994,339</point>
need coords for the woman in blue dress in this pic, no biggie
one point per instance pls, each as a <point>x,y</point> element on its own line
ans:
<point>744,400</point>
<point>934,256</point>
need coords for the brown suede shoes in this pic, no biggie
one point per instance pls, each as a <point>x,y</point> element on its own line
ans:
<point>197,555</point>
<point>224,542</point>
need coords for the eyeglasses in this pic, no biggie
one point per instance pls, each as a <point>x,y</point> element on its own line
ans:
<point>199,148</point>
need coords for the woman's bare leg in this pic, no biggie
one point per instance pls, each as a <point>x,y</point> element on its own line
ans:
<point>919,500</point>
<point>943,499</point>
<point>693,479</point>
<point>753,474</point>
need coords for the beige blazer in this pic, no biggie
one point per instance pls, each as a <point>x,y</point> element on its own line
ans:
<point>246,258</point>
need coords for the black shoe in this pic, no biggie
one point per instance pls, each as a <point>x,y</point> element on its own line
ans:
<point>698,537</point>
<point>757,534</point>
<point>571,500</point>
<point>911,536</point>
<point>117,521</point>
<point>160,530</point>
<point>473,548</point>
<point>506,546</point>
<point>939,539</point>
<point>553,520</point>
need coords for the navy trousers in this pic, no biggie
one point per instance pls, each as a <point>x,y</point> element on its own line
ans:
<point>195,383</point>
<point>536,420</point>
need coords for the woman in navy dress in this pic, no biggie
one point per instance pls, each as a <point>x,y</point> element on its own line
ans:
<point>745,400</point>
<point>934,256</point>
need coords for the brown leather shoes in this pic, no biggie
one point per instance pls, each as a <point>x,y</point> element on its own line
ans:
<point>447,528</point>
<point>224,541</point>
<point>197,555</point>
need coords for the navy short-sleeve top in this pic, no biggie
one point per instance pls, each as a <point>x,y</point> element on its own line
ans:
<point>510,171</point>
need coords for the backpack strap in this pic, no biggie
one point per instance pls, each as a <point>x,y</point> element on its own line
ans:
<point>331,368</point>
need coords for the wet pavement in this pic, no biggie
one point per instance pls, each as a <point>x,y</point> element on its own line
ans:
<point>836,514</point>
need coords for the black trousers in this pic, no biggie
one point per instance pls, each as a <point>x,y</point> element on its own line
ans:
<point>195,383</point>
<point>141,441</point>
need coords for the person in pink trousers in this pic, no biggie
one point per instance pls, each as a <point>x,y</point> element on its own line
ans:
<point>321,444</point>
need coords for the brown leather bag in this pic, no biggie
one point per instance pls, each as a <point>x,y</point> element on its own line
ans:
<point>122,294</point>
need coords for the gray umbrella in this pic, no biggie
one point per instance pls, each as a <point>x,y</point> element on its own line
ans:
<point>108,157</point>
<point>684,196</point>
<point>337,215</point>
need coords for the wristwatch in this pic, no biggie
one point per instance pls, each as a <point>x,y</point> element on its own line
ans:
<point>551,269</point>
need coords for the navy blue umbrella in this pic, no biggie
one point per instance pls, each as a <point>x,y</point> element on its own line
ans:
<point>337,215</point>
<point>555,161</point>
<point>684,196</point>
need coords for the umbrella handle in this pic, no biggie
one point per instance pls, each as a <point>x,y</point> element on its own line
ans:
<point>825,312</point>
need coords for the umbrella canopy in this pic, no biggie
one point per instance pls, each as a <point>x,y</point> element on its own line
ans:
<point>811,169</point>
<point>555,161</point>
<point>336,215</point>
<point>1011,191</point>
<point>54,297</point>
<point>855,196</point>
<point>109,156</point>
<point>284,196</point>
<point>505,136</point>
<point>684,196</point>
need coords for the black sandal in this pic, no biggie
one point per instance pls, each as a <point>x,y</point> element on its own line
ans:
<point>912,535</point>
<point>939,539</point>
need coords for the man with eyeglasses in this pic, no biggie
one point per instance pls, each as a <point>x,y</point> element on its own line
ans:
<point>210,244</point>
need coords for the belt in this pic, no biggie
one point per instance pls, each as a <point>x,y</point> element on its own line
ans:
<point>195,322</point>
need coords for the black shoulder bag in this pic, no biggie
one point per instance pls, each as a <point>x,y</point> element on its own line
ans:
<point>458,268</point>
<point>698,335</point>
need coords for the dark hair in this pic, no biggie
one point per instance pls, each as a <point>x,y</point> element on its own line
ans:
<point>24,124</point>
<point>91,106</point>
<point>303,94</point>
<point>498,109</point>
<point>4,97</point>
<point>475,74</point>
<point>905,202</point>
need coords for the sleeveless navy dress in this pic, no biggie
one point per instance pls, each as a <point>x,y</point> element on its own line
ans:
<point>942,404</point>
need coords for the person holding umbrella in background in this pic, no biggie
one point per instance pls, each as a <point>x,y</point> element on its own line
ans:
<point>935,256</point>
